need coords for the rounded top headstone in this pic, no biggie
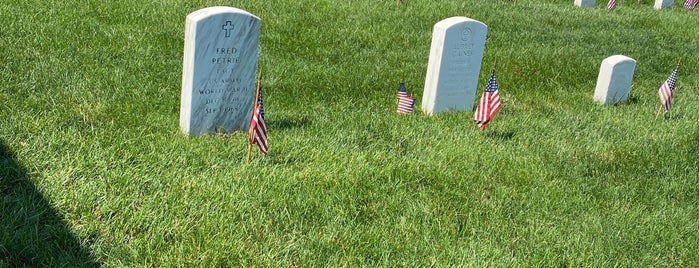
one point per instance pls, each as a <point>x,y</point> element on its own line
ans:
<point>218,70</point>
<point>618,59</point>
<point>209,11</point>
<point>454,64</point>
<point>448,22</point>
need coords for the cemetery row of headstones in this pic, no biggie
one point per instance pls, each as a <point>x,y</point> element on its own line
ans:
<point>658,4</point>
<point>220,63</point>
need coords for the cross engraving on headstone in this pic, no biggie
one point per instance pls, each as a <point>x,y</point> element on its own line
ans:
<point>228,27</point>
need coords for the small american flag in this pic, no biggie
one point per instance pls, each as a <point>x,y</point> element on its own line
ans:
<point>258,130</point>
<point>666,90</point>
<point>690,4</point>
<point>405,102</point>
<point>489,104</point>
<point>611,4</point>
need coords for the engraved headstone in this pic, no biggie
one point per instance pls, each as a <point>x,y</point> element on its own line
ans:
<point>614,80</point>
<point>663,4</point>
<point>219,69</point>
<point>584,3</point>
<point>454,64</point>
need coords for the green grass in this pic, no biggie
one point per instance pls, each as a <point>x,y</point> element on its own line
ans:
<point>95,170</point>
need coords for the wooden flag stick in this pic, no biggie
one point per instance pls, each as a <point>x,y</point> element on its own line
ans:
<point>254,107</point>
<point>658,113</point>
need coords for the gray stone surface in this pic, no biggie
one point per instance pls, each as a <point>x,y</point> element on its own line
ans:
<point>663,4</point>
<point>454,64</point>
<point>614,80</point>
<point>219,70</point>
<point>584,3</point>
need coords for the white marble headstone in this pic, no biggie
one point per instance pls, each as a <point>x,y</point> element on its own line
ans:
<point>454,64</point>
<point>663,4</point>
<point>219,69</point>
<point>614,80</point>
<point>584,3</point>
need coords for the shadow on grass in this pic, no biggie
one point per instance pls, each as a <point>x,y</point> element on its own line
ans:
<point>669,116</point>
<point>505,136</point>
<point>32,233</point>
<point>287,123</point>
<point>631,100</point>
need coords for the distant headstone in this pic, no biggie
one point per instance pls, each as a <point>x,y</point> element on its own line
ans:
<point>663,4</point>
<point>584,3</point>
<point>614,80</point>
<point>218,73</point>
<point>454,64</point>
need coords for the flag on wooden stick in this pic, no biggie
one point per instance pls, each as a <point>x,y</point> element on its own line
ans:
<point>690,4</point>
<point>489,104</point>
<point>667,89</point>
<point>611,4</point>
<point>257,134</point>
<point>405,102</point>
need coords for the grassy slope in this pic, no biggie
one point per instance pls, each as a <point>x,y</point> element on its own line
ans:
<point>90,105</point>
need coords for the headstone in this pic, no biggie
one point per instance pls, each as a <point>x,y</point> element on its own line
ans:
<point>584,3</point>
<point>454,64</point>
<point>663,4</point>
<point>614,80</point>
<point>219,69</point>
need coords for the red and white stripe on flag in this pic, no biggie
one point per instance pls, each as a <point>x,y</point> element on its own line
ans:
<point>258,131</point>
<point>405,104</point>
<point>665,95</point>
<point>667,89</point>
<point>489,104</point>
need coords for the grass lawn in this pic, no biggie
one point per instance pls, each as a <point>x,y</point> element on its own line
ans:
<point>95,171</point>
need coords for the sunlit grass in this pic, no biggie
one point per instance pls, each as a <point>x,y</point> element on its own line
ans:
<point>89,107</point>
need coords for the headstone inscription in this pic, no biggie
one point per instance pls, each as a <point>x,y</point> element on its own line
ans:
<point>218,73</point>
<point>584,3</point>
<point>663,4</point>
<point>614,80</point>
<point>454,64</point>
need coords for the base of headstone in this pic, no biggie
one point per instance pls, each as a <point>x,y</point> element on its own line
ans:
<point>663,4</point>
<point>584,3</point>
